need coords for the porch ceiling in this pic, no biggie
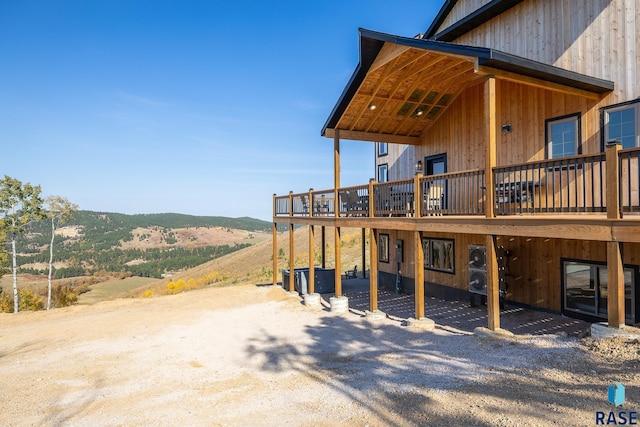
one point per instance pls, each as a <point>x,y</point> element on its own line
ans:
<point>402,85</point>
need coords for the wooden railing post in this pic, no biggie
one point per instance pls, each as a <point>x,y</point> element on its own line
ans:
<point>275,207</point>
<point>490,143</point>
<point>371,198</point>
<point>290,203</point>
<point>613,180</point>
<point>311,203</point>
<point>417,199</point>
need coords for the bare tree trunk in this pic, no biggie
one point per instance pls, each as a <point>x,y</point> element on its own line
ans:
<point>53,233</point>
<point>15,273</point>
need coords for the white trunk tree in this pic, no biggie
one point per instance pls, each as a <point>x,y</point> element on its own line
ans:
<point>19,205</point>
<point>59,211</point>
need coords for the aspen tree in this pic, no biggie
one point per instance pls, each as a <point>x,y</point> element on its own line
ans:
<point>20,204</point>
<point>59,211</point>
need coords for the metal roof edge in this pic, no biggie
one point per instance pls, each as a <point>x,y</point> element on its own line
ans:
<point>475,19</point>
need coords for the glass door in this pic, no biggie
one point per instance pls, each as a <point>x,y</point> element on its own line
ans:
<point>586,290</point>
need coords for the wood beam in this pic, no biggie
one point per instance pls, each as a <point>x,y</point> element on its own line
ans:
<point>615,281</point>
<point>338,263</point>
<point>312,258</point>
<point>336,172</point>
<point>490,143</point>
<point>372,137</point>
<point>373,272</point>
<point>538,83</point>
<point>388,53</point>
<point>323,241</point>
<point>292,276</point>
<point>577,227</point>
<point>275,253</point>
<point>493,291</point>
<point>419,274</point>
<point>364,253</point>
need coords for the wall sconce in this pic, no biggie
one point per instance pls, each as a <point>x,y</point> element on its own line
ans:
<point>418,167</point>
<point>506,128</point>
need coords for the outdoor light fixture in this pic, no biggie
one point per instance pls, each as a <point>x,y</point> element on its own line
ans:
<point>506,128</point>
<point>419,166</point>
<point>372,107</point>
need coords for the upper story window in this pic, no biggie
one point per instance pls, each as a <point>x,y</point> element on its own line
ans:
<point>383,149</point>
<point>563,136</point>
<point>621,123</point>
<point>382,173</point>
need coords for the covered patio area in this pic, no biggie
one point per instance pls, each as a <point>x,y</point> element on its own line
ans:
<point>457,315</point>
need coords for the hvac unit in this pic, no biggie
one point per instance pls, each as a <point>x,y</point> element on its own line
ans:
<point>477,269</point>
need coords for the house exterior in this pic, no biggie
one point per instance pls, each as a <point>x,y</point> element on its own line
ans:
<point>506,156</point>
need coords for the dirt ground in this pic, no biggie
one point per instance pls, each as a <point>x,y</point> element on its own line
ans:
<point>253,355</point>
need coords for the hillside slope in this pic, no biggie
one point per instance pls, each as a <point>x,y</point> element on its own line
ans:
<point>253,265</point>
<point>144,245</point>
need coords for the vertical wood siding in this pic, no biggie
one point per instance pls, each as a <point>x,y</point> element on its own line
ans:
<point>534,267</point>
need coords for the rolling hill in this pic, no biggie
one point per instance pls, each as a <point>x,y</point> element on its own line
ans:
<point>144,245</point>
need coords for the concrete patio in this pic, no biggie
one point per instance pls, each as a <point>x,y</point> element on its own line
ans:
<point>459,315</point>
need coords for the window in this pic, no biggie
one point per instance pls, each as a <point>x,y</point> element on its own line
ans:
<point>383,149</point>
<point>439,254</point>
<point>621,123</point>
<point>563,136</point>
<point>383,248</point>
<point>585,286</point>
<point>382,173</point>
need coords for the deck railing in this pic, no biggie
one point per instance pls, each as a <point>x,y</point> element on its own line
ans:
<point>394,198</point>
<point>576,184</point>
<point>354,201</point>
<point>629,176</point>
<point>323,203</point>
<point>458,193</point>
<point>281,205</point>
<point>571,184</point>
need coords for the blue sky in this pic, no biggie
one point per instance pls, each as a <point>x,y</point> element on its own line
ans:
<point>196,107</point>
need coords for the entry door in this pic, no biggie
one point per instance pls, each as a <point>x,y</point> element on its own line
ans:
<point>437,191</point>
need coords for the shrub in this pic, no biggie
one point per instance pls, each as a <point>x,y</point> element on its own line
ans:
<point>63,296</point>
<point>148,293</point>
<point>27,300</point>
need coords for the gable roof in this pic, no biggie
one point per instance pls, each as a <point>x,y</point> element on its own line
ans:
<point>469,22</point>
<point>402,85</point>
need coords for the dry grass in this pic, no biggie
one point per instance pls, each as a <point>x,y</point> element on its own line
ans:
<point>254,265</point>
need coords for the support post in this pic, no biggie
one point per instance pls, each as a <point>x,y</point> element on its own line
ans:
<point>338,264</point>
<point>613,180</point>
<point>364,253</point>
<point>373,273</point>
<point>324,247</point>
<point>615,273</point>
<point>275,253</point>
<point>312,255</point>
<point>419,274</point>
<point>292,276</point>
<point>336,171</point>
<point>493,292</point>
<point>490,144</point>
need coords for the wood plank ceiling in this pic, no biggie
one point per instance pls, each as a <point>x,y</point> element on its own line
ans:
<point>405,92</point>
